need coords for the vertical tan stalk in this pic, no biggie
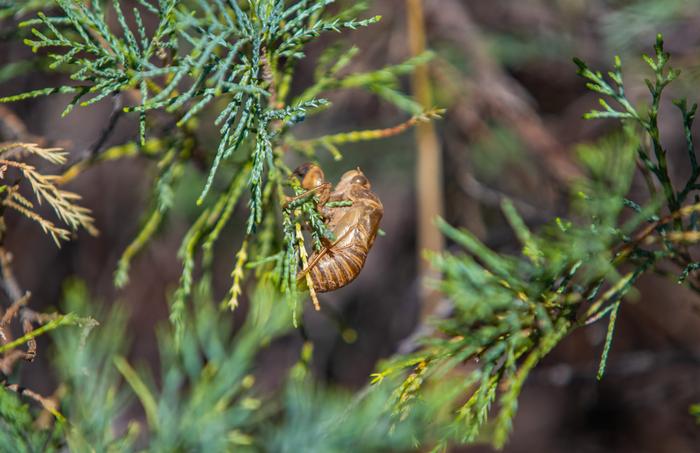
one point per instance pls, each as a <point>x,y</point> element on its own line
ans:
<point>428,162</point>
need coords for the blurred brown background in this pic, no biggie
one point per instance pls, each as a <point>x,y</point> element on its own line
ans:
<point>514,104</point>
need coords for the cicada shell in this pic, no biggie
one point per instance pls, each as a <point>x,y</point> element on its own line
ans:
<point>354,227</point>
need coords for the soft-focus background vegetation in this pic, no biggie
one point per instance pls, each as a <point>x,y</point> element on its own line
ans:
<point>514,104</point>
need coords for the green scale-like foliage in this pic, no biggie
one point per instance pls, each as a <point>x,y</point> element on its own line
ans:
<point>209,395</point>
<point>509,311</point>
<point>231,60</point>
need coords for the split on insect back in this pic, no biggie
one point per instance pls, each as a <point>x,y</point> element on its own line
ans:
<point>343,221</point>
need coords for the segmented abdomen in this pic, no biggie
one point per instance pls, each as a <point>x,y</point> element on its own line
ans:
<point>338,267</point>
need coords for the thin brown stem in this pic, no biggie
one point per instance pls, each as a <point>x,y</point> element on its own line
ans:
<point>647,231</point>
<point>48,404</point>
<point>429,161</point>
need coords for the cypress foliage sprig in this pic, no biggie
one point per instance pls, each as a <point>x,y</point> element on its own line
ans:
<point>234,61</point>
<point>510,311</point>
<point>206,396</point>
<point>45,189</point>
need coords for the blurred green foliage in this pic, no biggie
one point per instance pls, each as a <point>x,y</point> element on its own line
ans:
<point>206,397</point>
<point>510,311</point>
